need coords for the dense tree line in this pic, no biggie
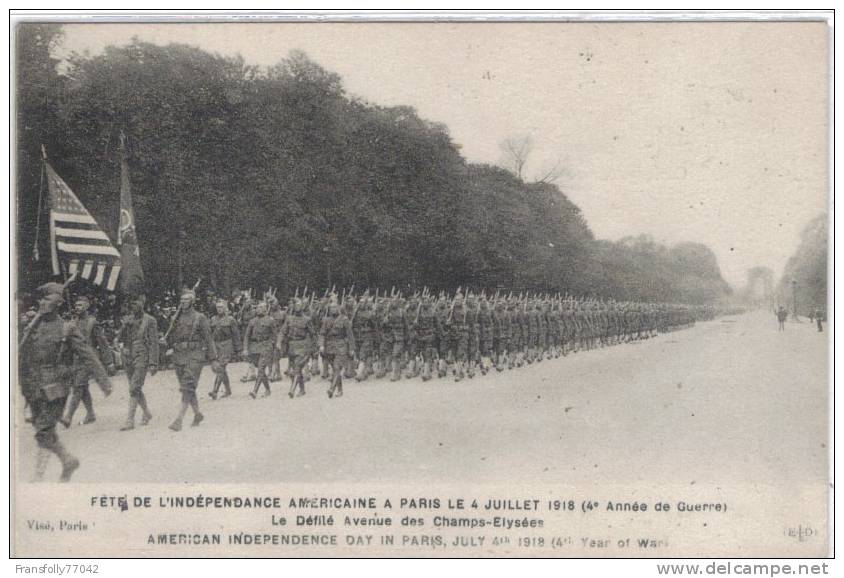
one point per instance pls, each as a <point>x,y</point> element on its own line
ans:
<point>808,268</point>
<point>252,177</point>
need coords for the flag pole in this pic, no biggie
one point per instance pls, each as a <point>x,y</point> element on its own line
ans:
<point>35,254</point>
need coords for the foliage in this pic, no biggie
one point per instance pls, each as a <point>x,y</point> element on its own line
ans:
<point>252,177</point>
<point>808,269</point>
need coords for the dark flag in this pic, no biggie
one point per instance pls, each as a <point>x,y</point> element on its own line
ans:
<point>77,241</point>
<point>132,277</point>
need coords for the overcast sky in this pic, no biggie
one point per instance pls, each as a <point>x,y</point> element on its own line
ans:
<point>709,132</point>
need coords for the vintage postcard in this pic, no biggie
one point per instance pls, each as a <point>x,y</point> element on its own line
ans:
<point>441,288</point>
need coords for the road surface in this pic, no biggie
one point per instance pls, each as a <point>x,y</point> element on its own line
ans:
<point>731,400</point>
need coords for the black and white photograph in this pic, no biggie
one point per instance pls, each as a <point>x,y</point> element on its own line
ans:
<point>448,287</point>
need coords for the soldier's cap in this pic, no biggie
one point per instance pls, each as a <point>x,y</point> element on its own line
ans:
<point>188,293</point>
<point>51,288</point>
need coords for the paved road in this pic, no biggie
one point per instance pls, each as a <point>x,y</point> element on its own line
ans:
<point>732,400</point>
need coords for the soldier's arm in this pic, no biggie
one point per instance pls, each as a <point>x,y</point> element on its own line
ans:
<point>247,333</point>
<point>205,331</point>
<point>81,349</point>
<point>281,340</point>
<point>322,332</point>
<point>236,342</point>
<point>350,335</point>
<point>98,336</point>
<point>151,340</point>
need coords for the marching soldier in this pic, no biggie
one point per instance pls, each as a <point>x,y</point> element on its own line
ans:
<point>48,350</point>
<point>259,341</point>
<point>296,341</point>
<point>277,314</point>
<point>395,333</point>
<point>364,328</point>
<point>425,328</point>
<point>139,335</point>
<point>227,340</point>
<point>336,342</point>
<point>248,314</point>
<point>459,337</point>
<point>93,334</point>
<point>192,342</point>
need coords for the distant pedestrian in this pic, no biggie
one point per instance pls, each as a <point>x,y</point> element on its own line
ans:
<point>819,319</point>
<point>782,315</point>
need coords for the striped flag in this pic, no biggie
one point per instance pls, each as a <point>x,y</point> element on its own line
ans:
<point>76,238</point>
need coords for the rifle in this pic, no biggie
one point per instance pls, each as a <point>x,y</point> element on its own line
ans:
<point>178,313</point>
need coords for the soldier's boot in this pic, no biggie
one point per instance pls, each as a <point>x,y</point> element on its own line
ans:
<point>325,371</point>
<point>442,370</point>
<point>381,369</point>
<point>227,386</point>
<point>142,403</point>
<point>69,462</point>
<point>426,370</point>
<point>458,371</point>
<point>130,419</point>
<point>301,391</point>
<point>396,371</point>
<point>72,405</point>
<point>197,415</point>
<point>88,403</point>
<point>411,370</point>
<point>470,369</point>
<point>267,390</point>
<point>254,393</point>
<point>339,391</point>
<point>213,393</point>
<point>360,374</point>
<point>292,390</point>
<point>42,459</point>
<point>335,383</point>
<point>275,372</point>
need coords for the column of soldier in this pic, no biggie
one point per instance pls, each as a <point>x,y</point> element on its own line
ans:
<point>336,335</point>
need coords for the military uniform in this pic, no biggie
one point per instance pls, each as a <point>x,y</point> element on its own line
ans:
<point>192,344</point>
<point>48,353</point>
<point>259,343</point>
<point>139,335</point>
<point>365,330</point>
<point>296,340</point>
<point>425,329</point>
<point>93,334</point>
<point>337,343</point>
<point>227,341</point>
<point>393,334</point>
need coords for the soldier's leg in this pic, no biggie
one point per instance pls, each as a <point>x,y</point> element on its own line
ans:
<point>195,368</point>
<point>133,400</point>
<point>217,381</point>
<point>336,362</point>
<point>398,351</point>
<point>73,401</point>
<point>265,363</point>
<point>182,374</point>
<point>45,418</point>
<point>302,379</point>
<point>292,372</point>
<point>224,378</point>
<point>88,403</point>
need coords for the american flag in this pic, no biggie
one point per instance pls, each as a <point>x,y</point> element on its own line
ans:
<point>76,238</point>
